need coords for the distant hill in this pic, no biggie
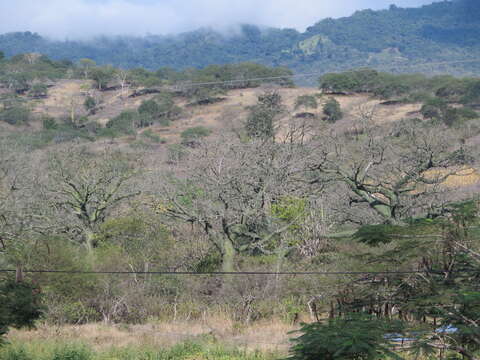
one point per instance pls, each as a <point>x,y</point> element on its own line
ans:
<point>441,37</point>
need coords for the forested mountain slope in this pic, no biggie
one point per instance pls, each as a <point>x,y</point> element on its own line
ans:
<point>443,37</point>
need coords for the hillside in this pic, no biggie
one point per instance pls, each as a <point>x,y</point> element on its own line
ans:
<point>396,39</point>
<point>177,205</point>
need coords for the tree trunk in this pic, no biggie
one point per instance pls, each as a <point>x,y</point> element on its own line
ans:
<point>89,240</point>
<point>228,255</point>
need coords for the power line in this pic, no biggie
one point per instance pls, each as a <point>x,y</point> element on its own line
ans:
<point>237,273</point>
<point>319,73</point>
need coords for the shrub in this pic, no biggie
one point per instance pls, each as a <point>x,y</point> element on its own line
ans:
<point>149,134</point>
<point>16,115</point>
<point>123,123</point>
<point>49,123</point>
<point>90,104</point>
<point>306,101</point>
<point>192,136</point>
<point>262,117</point>
<point>356,336</point>
<point>19,306</point>
<point>332,110</point>
<point>72,352</point>
<point>38,90</point>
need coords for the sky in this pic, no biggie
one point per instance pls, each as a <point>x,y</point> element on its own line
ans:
<point>76,19</point>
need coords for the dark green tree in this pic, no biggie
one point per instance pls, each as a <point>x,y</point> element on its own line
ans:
<point>262,117</point>
<point>19,305</point>
<point>306,101</point>
<point>90,105</point>
<point>332,110</point>
<point>355,336</point>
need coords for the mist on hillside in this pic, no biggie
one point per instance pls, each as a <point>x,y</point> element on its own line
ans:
<point>82,19</point>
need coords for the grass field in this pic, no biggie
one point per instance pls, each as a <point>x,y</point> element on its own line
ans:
<point>216,338</point>
<point>55,350</point>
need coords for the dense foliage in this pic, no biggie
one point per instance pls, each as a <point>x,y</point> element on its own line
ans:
<point>19,305</point>
<point>395,39</point>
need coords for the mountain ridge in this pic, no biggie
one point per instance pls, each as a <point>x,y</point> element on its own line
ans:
<point>395,39</point>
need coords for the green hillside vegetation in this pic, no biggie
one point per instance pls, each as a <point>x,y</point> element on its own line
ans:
<point>382,213</point>
<point>395,39</point>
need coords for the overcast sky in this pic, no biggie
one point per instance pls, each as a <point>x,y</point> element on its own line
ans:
<point>86,18</point>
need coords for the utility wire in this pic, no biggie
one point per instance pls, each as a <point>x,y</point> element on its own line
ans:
<point>319,73</point>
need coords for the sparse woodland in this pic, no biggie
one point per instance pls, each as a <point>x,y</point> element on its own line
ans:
<point>388,208</point>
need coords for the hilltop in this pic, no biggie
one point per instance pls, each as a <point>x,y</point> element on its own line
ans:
<point>442,37</point>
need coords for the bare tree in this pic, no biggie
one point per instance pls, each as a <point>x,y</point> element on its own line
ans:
<point>89,186</point>
<point>228,189</point>
<point>393,171</point>
<point>121,76</point>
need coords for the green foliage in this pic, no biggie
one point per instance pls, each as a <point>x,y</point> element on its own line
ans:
<point>102,76</point>
<point>16,115</point>
<point>90,104</point>
<point>184,351</point>
<point>262,116</point>
<point>20,305</point>
<point>332,110</point>
<point>49,123</point>
<point>38,90</point>
<point>356,336</point>
<point>123,124</point>
<point>375,235</point>
<point>394,38</point>
<point>150,135</point>
<point>192,136</point>
<point>306,101</point>
<point>72,353</point>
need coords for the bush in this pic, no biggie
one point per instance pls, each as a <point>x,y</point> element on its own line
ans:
<point>356,336</point>
<point>19,305</point>
<point>38,90</point>
<point>16,115</point>
<point>262,117</point>
<point>306,101</point>
<point>191,137</point>
<point>149,134</point>
<point>332,110</point>
<point>72,352</point>
<point>90,104</point>
<point>13,353</point>
<point>49,123</point>
<point>123,123</point>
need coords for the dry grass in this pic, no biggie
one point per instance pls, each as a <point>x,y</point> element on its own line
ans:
<point>264,336</point>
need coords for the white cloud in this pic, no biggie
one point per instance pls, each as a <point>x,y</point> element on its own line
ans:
<point>85,18</point>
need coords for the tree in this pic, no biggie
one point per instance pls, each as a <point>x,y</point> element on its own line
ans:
<point>88,187</point>
<point>122,77</point>
<point>306,101</point>
<point>86,65</point>
<point>102,76</point>
<point>20,305</point>
<point>16,115</point>
<point>192,136</point>
<point>262,116</point>
<point>392,174</point>
<point>332,110</point>
<point>228,188</point>
<point>355,336</point>
<point>90,104</point>
<point>38,90</point>
<point>2,55</point>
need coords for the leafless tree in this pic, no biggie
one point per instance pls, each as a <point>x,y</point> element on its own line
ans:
<point>390,172</point>
<point>121,77</point>
<point>228,188</point>
<point>89,186</point>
